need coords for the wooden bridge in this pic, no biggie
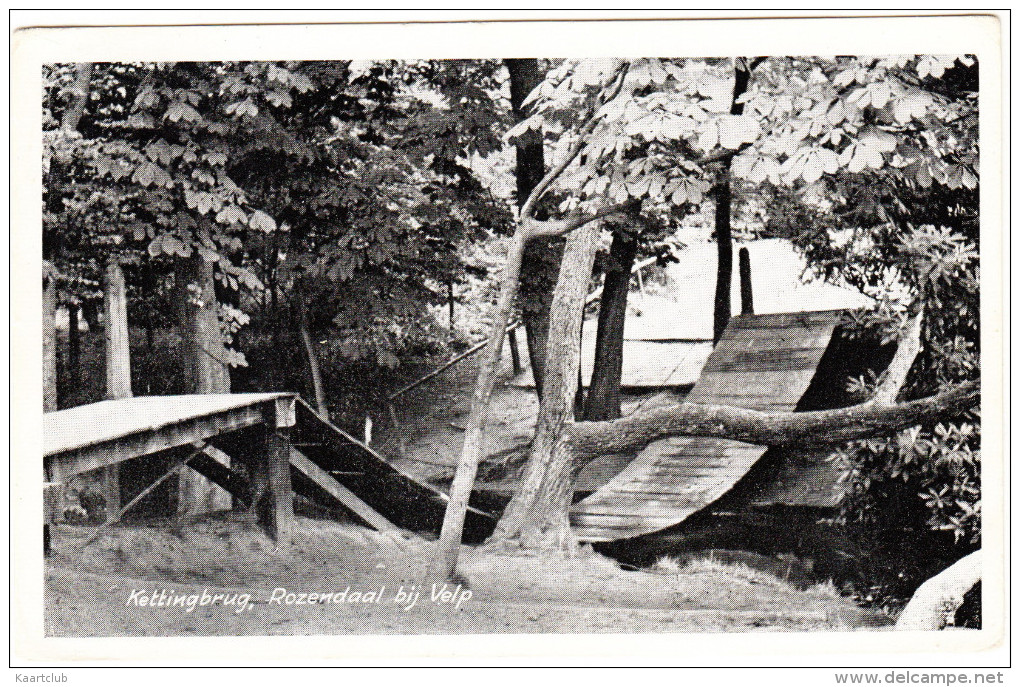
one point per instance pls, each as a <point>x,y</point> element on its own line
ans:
<point>762,362</point>
<point>261,448</point>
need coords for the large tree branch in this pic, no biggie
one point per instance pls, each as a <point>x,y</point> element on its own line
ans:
<point>636,431</point>
<point>558,227</point>
<point>575,149</point>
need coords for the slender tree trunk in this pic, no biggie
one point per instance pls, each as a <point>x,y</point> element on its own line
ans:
<point>541,257</point>
<point>603,399</point>
<point>203,357</point>
<point>450,299</point>
<point>313,362</point>
<point>49,337</point>
<point>115,332</point>
<point>723,212</point>
<point>536,517</point>
<point>444,563</point>
<point>74,343</point>
<point>724,246</point>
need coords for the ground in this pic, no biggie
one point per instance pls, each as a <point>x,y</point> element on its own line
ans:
<point>95,589</point>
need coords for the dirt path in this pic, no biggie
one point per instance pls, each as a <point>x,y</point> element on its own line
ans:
<point>140,581</point>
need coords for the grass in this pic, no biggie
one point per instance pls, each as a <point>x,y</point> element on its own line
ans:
<point>669,565</point>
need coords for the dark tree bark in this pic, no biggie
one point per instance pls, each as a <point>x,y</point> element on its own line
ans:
<point>723,211</point>
<point>536,516</point>
<point>603,399</point>
<point>746,287</point>
<point>74,342</point>
<point>541,257</point>
<point>724,250</point>
<point>49,337</point>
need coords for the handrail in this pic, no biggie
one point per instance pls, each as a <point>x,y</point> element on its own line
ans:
<point>510,328</point>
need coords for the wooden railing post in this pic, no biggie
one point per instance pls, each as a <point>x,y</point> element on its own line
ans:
<point>515,352</point>
<point>746,295</point>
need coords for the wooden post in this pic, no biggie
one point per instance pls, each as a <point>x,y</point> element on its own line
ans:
<point>118,366</point>
<point>746,294</point>
<point>276,507</point>
<point>118,356</point>
<point>515,352</point>
<point>273,497</point>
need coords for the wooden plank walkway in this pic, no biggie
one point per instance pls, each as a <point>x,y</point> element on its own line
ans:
<point>104,433</point>
<point>762,362</point>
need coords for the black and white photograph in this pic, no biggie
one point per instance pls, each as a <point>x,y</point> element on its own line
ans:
<point>573,342</point>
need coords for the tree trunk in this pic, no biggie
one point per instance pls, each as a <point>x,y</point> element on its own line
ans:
<point>603,399</point>
<point>49,337</point>
<point>203,352</point>
<point>541,260</point>
<point>723,212</point>
<point>74,343</point>
<point>542,257</point>
<point>536,517</point>
<point>724,246</point>
<point>115,333</point>
<point>444,563</point>
<point>203,358</point>
<point>935,602</point>
<point>313,363</point>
